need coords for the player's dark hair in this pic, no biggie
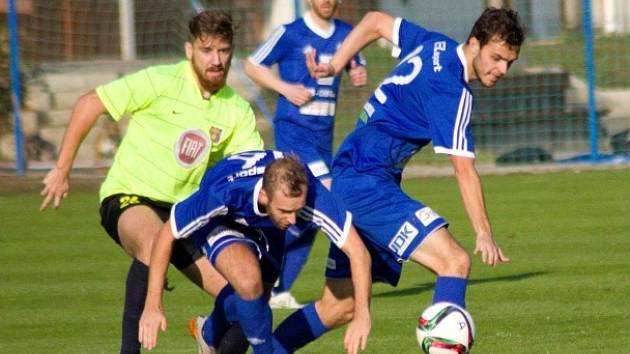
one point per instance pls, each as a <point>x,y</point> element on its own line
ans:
<point>211,23</point>
<point>287,172</point>
<point>502,24</point>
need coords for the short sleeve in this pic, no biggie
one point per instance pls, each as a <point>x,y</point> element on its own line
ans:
<point>406,37</point>
<point>327,212</point>
<point>194,212</point>
<point>272,49</point>
<point>128,94</point>
<point>451,120</point>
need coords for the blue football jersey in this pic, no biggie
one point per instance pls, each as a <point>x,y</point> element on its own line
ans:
<point>424,99</point>
<point>287,46</point>
<point>229,193</point>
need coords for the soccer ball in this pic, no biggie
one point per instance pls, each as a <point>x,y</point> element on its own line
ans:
<point>445,328</point>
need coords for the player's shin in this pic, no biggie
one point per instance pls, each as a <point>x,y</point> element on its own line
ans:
<point>135,294</point>
<point>300,328</point>
<point>219,320</point>
<point>255,319</point>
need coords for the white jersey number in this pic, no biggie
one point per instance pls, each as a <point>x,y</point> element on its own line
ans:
<point>250,158</point>
<point>412,58</point>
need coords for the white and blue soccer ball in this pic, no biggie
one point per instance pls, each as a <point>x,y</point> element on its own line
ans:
<point>445,328</point>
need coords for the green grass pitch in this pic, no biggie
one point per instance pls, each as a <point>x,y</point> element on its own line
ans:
<point>566,290</point>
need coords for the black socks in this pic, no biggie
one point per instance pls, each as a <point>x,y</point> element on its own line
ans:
<point>135,293</point>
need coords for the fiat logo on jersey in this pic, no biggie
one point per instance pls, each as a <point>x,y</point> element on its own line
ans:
<point>191,147</point>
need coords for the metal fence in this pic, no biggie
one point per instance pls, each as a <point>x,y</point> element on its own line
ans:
<point>540,112</point>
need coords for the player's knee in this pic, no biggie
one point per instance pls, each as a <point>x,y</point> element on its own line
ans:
<point>138,249</point>
<point>336,312</point>
<point>458,263</point>
<point>454,262</point>
<point>248,288</point>
<point>137,228</point>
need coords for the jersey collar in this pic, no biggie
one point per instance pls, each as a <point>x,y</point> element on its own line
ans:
<point>462,58</point>
<point>308,21</point>
<point>257,189</point>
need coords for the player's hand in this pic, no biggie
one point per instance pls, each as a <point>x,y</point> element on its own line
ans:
<point>150,321</point>
<point>56,186</point>
<point>318,70</point>
<point>358,74</point>
<point>491,253</point>
<point>357,334</point>
<point>297,94</point>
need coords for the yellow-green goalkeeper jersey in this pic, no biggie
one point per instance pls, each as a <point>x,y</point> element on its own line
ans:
<point>174,134</point>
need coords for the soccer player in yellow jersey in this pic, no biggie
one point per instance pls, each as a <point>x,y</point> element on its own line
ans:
<point>184,118</point>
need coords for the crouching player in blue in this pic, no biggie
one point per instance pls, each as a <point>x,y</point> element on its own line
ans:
<point>237,217</point>
<point>425,99</point>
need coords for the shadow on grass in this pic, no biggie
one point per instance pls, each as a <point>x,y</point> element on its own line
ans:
<point>419,288</point>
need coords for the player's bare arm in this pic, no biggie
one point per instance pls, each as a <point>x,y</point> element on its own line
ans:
<point>153,317</point>
<point>265,77</point>
<point>86,112</point>
<point>373,26</point>
<point>360,264</point>
<point>474,202</point>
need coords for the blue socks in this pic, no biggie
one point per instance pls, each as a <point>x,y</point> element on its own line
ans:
<point>451,289</point>
<point>297,250</point>
<point>300,328</point>
<point>218,322</point>
<point>254,317</point>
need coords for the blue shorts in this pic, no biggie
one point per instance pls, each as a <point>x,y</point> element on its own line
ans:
<point>313,147</point>
<point>391,224</point>
<point>267,244</point>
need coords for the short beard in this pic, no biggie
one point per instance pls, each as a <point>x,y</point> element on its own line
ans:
<point>216,83</point>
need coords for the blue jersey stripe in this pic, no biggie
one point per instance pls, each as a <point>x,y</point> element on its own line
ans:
<point>202,220</point>
<point>328,226</point>
<point>456,126</point>
<point>467,119</point>
<point>462,120</point>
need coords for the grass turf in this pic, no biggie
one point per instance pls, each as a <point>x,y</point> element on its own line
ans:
<point>565,290</point>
